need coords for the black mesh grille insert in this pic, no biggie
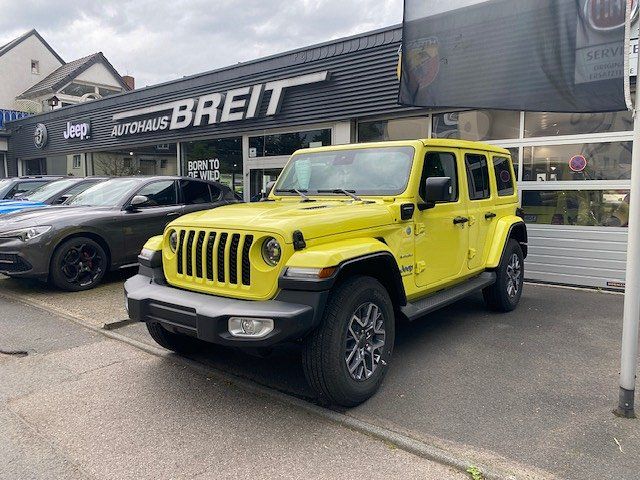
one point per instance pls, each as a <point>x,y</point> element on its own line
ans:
<point>221,247</point>
<point>199,254</point>
<point>189,256</point>
<point>233,258</point>
<point>246,266</point>
<point>180,251</point>
<point>210,243</point>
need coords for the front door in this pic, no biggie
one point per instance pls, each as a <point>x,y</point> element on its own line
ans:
<point>151,218</point>
<point>441,243</point>
<point>480,206</point>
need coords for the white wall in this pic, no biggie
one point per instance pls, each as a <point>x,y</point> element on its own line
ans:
<point>100,75</point>
<point>3,145</point>
<point>15,69</point>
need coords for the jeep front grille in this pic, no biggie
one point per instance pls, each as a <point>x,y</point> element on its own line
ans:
<point>214,256</point>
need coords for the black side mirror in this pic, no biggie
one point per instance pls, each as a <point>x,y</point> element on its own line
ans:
<point>137,202</point>
<point>437,189</point>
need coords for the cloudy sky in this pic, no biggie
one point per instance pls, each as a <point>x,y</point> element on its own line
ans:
<point>159,40</point>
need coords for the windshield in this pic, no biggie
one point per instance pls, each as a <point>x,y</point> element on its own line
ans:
<point>106,194</point>
<point>44,192</point>
<point>4,184</point>
<point>364,171</point>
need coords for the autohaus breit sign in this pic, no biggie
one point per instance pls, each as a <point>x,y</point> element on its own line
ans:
<point>233,105</point>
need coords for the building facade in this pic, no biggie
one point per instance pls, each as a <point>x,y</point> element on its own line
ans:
<point>240,124</point>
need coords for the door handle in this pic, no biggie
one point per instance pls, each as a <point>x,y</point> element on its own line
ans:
<point>459,220</point>
<point>173,214</point>
<point>489,215</point>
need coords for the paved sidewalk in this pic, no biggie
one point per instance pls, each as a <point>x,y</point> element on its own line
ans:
<point>533,388</point>
<point>81,406</point>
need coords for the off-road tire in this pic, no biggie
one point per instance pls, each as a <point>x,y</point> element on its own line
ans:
<point>324,356</point>
<point>56,274</point>
<point>497,296</point>
<point>175,342</point>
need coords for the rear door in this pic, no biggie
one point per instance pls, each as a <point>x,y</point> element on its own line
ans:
<point>150,218</point>
<point>198,195</point>
<point>440,242</point>
<point>481,203</point>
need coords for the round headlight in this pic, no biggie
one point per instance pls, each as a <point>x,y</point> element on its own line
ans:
<point>173,241</point>
<point>271,251</point>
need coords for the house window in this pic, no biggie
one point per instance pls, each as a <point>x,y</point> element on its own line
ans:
<point>76,161</point>
<point>35,67</point>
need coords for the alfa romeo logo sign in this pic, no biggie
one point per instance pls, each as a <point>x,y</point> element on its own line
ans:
<point>40,136</point>
<point>604,15</point>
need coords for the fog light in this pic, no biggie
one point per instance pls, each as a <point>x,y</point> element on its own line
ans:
<point>250,327</point>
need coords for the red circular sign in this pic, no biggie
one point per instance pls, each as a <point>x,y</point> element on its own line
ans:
<point>578,163</point>
<point>505,176</point>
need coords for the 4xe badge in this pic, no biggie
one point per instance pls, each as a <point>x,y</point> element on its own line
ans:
<point>80,130</point>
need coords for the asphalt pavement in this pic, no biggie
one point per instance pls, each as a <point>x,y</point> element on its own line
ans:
<point>527,391</point>
<point>81,406</point>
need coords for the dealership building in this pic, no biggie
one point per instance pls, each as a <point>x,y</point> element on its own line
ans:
<point>239,125</point>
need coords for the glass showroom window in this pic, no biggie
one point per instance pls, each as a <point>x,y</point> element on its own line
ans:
<point>552,124</point>
<point>260,177</point>
<point>149,160</point>
<point>217,159</point>
<point>3,166</point>
<point>395,129</point>
<point>477,125</point>
<point>578,162</point>
<point>278,144</point>
<point>605,208</point>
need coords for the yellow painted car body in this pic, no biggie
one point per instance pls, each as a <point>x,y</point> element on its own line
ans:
<point>431,252</point>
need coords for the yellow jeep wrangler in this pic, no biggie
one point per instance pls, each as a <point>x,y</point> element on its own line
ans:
<point>350,239</point>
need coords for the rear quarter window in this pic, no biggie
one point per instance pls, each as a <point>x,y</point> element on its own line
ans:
<point>504,178</point>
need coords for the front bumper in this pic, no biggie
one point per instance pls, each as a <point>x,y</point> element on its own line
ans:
<point>24,259</point>
<point>294,313</point>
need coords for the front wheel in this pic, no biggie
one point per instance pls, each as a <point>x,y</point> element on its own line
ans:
<point>504,295</point>
<point>175,342</point>
<point>78,264</point>
<point>345,359</point>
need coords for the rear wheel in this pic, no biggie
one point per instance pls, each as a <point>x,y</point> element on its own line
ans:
<point>172,341</point>
<point>346,358</point>
<point>78,264</point>
<point>504,295</point>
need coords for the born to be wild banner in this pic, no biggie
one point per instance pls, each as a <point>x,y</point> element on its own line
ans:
<point>536,55</point>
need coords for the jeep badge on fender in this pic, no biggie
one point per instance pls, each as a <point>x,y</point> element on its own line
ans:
<point>350,239</point>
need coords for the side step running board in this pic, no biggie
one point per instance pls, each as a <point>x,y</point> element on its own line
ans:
<point>445,297</point>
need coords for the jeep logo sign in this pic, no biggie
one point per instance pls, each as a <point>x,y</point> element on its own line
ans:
<point>236,104</point>
<point>81,131</point>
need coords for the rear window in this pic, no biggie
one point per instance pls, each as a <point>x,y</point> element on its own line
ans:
<point>504,179</point>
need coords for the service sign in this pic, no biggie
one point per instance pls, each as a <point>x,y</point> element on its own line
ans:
<point>216,107</point>
<point>77,130</point>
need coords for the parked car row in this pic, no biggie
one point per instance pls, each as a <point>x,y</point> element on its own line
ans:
<point>72,231</point>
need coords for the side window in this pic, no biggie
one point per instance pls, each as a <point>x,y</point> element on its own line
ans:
<point>504,179</point>
<point>195,193</point>
<point>215,193</point>
<point>440,164</point>
<point>477,176</point>
<point>160,194</point>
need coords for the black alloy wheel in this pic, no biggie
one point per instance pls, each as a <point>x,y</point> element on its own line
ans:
<point>78,264</point>
<point>346,358</point>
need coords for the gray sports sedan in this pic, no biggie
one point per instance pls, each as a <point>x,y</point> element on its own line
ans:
<point>100,229</point>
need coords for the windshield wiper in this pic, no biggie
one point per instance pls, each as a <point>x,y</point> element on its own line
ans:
<point>349,193</point>
<point>295,190</point>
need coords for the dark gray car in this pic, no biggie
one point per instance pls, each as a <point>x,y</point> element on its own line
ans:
<point>100,229</point>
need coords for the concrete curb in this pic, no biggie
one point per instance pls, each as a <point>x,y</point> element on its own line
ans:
<point>396,439</point>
